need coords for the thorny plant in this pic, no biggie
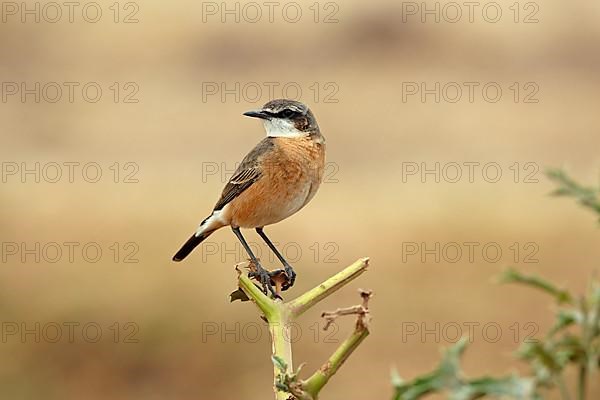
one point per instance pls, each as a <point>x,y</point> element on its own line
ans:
<point>278,314</point>
<point>573,340</point>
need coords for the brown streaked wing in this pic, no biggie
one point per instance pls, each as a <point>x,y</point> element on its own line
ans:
<point>247,173</point>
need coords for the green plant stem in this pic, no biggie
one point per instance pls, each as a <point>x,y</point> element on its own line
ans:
<point>279,315</point>
<point>586,339</point>
<point>279,327</point>
<point>304,302</point>
<point>582,381</point>
<point>262,301</point>
<point>564,392</point>
<point>315,383</point>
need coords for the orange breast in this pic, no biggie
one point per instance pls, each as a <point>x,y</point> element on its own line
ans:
<point>291,175</point>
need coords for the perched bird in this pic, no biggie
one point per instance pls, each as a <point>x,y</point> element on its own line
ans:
<point>275,180</point>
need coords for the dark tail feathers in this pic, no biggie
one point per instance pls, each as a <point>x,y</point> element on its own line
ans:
<point>190,245</point>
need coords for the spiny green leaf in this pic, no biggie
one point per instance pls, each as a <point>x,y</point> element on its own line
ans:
<point>279,363</point>
<point>448,378</point>
<point>514,276</point>
<point>565,319</point>
<point>571,348</point>
<point>512,386</point>
<point>586,196</point>
<point>445,376</point>
<point>542,355</point>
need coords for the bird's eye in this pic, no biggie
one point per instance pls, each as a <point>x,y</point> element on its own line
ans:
<point>287,113</point>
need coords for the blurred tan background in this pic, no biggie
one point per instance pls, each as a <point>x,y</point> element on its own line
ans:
<point>167,144</point>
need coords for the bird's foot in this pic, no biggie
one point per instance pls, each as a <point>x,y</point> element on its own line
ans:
<point>264,277</point>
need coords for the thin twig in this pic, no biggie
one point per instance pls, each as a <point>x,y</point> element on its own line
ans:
<point>315,383</point>
<point>361,310</point>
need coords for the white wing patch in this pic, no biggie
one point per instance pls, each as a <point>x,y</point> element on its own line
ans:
<point>213,222</point>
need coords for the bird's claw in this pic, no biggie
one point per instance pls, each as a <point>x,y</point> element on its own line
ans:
<point>291,274</point>
<point>264,277</point>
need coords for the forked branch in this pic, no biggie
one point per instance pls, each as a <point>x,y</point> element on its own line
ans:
<point>279,315</point>
<point>315,383</point>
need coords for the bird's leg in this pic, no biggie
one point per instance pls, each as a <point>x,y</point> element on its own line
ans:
<point>262,274</point>
<point>289,271</point>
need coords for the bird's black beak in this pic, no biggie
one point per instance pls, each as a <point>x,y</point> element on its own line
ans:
<point>257,114</point>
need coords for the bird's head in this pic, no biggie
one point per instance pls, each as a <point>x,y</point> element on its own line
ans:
<point>286,118</point>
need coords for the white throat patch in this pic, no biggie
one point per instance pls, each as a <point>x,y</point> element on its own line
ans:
<point>278,127</point>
